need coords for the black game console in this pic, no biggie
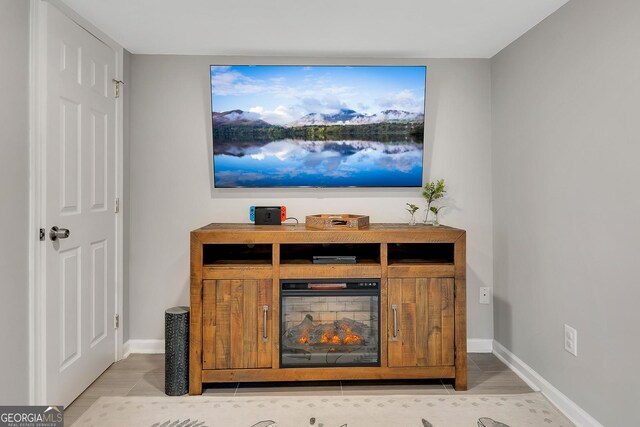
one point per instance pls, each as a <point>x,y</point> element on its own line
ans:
<point>268,215</point>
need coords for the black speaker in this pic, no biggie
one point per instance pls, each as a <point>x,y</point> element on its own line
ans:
<point>176,351</point>
<point>268,216</point>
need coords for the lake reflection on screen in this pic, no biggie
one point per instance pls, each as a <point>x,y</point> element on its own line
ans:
<point>302,163</point>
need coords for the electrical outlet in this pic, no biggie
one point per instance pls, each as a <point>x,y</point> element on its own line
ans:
<point>571,340</point>
<point>485,295</point>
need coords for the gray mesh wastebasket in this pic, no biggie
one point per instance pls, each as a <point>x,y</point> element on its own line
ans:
<point>176,355</point>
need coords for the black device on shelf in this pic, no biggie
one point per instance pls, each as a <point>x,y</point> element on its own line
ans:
<point>268,215</point>
<point>334,259</point>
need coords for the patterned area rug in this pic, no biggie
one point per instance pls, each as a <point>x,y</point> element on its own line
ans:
<point>520,410</point>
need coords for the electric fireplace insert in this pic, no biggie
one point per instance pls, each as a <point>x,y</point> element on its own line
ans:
<point>329,323</point>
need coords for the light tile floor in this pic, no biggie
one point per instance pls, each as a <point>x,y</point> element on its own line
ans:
<point>143,375</point>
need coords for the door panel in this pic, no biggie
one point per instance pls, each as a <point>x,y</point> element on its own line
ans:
<point>99,122</point>
<point>70,167</point>
<point>233,324</point>
<point>79,190</point>
<point>99,289</point>
<point>424,313</point>
<point>70,296</point>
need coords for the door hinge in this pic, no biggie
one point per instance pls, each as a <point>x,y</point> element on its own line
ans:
<point>116,208</point>
<point>116,321</point>
<point>42,234</point>
<point>118,83</point>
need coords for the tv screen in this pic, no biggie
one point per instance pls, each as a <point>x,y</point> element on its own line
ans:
<point>317,126</point>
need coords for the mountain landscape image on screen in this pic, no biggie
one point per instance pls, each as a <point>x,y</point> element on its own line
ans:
<point>288,126</point>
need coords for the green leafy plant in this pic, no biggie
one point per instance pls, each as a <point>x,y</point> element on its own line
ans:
<point>436,210</point>
<point>412,208</point>
<point>432,191</point>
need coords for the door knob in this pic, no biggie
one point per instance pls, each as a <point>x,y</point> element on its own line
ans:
<point>58,233</point>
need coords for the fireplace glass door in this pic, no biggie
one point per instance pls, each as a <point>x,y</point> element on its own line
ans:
<point>330,323</point>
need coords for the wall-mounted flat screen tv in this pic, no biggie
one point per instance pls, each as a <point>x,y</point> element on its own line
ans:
<point>317,126</point>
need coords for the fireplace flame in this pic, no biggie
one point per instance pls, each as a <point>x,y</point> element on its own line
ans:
<point>334,339</point>
<point>335,334</point>
<point>352,339</point>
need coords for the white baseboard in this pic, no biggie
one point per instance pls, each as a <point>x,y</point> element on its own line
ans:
<point>568,407</point>
<point>479,345</point>
<point>126,350</point>
<point>144,347</point>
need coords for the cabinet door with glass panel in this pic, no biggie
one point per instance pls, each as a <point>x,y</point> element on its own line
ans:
<point>420,321</point>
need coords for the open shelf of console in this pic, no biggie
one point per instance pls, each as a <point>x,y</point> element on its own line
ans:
<point>296,260</point>
<point>237,261</point>
<point>420,253</point>
<point>303,253</point>
<point>224,253</point>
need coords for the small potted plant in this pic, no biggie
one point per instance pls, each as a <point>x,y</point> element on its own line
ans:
<point>436,211</point>
<point>433,191</point>
<point>412,209</point>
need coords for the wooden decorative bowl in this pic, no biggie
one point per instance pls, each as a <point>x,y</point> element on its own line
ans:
<point>337,221</point>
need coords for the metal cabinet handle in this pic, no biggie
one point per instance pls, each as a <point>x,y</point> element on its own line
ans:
<point>394,307</point>
<point>58,233</point>
<point>265,310</point>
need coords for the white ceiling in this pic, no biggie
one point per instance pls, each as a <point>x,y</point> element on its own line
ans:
<point>336,28</point>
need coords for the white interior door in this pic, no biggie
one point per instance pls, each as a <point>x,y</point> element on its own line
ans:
<point>79,195</point>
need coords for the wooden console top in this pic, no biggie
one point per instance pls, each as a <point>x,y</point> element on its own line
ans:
<point>297,233</point>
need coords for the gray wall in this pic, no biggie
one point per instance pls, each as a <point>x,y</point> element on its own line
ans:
<point>171,190</point>
<point>566,126</point>
<point>14,194</point>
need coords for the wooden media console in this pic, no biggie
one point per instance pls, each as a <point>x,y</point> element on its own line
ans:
<point>236,276</point>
